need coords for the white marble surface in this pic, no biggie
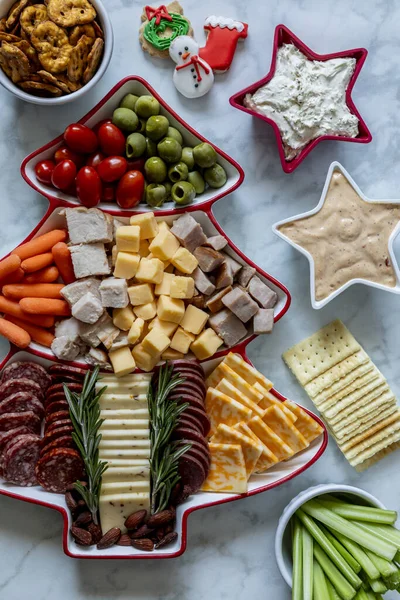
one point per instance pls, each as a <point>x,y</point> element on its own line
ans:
<point>230,548</point>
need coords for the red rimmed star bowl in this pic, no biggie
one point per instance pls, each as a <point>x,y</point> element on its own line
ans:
<point>274,477</point>
<point>283,35</point>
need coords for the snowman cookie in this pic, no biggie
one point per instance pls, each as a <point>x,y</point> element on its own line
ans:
<point>160,26</point>
<point>193,77</point>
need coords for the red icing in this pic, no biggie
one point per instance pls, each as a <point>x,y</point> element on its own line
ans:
<point>197,63</point>
<point>221,46</point>
<point>159,13</point>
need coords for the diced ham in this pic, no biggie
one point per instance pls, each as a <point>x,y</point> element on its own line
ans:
<point>227,326</point>
<point>245,275</point>
<point>214,303</point>
<point>266,297</point>
<point>189,232</point>
<point>199,301</point>
<point>223,276</point>
<point>240,303</point>
<point>263,321</point>
<point>202,282</point>
<point>233,264</point>
<point>209,259</point>
<point>217,242</point>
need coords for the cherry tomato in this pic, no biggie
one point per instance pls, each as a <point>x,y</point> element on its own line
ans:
<point>64,153</point>
<point>112,168</point>
<point>136,165</point>
<point>95,159</point>
<point>44,170</point>
<point>112,140</point>
<point>130,189</point>
<point>88,187</point>
<point>108,193</point>
<point>63,175</point>
<point>80,138</point>
<point>99,124</point>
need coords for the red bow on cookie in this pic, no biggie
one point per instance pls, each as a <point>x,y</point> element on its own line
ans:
<point>159,13</point>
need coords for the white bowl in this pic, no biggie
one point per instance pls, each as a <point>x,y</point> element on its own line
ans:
<point>282,537</point>
<point>105,23</point>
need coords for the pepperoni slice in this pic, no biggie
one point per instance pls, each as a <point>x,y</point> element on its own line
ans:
<point>20,458</point>
<point>26,370</point>
<point>60,370</point>
<point>200,415</point>
<point>56,416</point>
<point>200,457</point>
<point>192,473</point>
<point>12,420</point>
<point>189,388</point>
<point>190,422</point>
<point>20,402</point>
<point>12,386</point>
<point>65,441</point>
<point>56,433</point>
<point>59,468</point>
<point>56,406</point>
<point>59,388</point>
<point>57,424</point>
<point>190,434</point>
<point>187,398</point>
<point>11,434</point>
<point>53,398</point>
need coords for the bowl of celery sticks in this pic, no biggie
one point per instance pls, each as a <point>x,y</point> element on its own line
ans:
<point>338,542</point>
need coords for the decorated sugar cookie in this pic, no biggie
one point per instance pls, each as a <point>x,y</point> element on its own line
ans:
<point>160,26</point>
<point>223,34</point>
<point>193,77</point>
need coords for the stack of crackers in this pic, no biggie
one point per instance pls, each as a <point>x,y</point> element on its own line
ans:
<point>353,396</point>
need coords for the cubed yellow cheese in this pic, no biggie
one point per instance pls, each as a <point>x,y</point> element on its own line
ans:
<point>164,287</point>
<point>184,261</point>
<point>126,265</point>
<point>182,340</point>
<point>145,331</point>
<point>146,311</point>
<point>206,344</point>
<point>114,252</point>
<point>150,270</point>
<point>123,318</point>
<point>128,238</point>
<point>141,293</point>
<point>170,309</point>
<point>171,354</point>
<point>182,287</point>
<point>194,319</point>
<point>251,450</point>
<point>163,226</point>
<point>156,342</point>
<point>147,223</point>
<point>143,359</point>
<point>144,248</point>
<point>166,326</point>
<point>122,361</point>
<point>164,245</point>
<point>135,331</point>
<point>227,470</point>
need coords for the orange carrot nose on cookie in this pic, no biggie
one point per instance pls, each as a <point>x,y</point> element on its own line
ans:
<point>185,55</point>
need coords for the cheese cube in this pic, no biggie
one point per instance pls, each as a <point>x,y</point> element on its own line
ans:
<point>163,288</point>
<point>128,238</point>
<point>122,361</point>
<point>194,319</point>
<point>123,318</point>
<point>145,331</point>
<point>170,309</point>
<point>114,252</point>
<point>171,354</point>
<point>164,245</point>
<point>144,248</point>
<point>143,359</point>
<point>182,340</point>
<point>156,342</point>
<point>163,226</point>
<point>166,327</point>
<point>206,344</point>
<point>182,287</point>
<point>147,223</point>
<point>184,261</point>
<point>150,270</point>
<point>135,331</point>
<point>126,265</point>
<point>140,294</point>
<point>146,311</point>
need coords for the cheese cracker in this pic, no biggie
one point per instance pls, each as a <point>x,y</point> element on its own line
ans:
<point>339,375</point>
<point>370,432</point>
<point>357,398</point>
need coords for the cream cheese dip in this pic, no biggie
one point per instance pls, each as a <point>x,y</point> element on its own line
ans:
<point>306,98</point>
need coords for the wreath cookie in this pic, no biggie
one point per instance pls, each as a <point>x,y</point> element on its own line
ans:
<point>160,26</point>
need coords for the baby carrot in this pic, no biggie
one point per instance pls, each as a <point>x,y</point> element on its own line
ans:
<point>62,258</point>
<point>33,290</point>
<point>13,309</point>
<point>38,334</point>
<point>45,306</point>
<point>41,244</point>
<point>9,265</point>
<point>46,275</point>
<point>14,334</point>
<point>14,277</point>
<point>35,263</point>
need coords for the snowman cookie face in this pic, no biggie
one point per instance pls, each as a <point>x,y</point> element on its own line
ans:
<point>193,76</point>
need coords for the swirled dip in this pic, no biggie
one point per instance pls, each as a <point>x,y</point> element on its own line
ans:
<point>306,99</point>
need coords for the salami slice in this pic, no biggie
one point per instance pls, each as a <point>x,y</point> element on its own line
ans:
<point>56,406</point>
<point>65,379</point>
<point>11,386</point>
<point>21,402</point>
<point>200,457</point>
<point>59,388</point>
<point>201,416</point>
<point>192,473</point>
<point>26,370</point>
<point>190,422</point>
<point>199,447</point>
<point>20,458</point>
<point>185,363</point>
<point>16,419</point>
<point>189,388</point>
<point>187,398</point>
<point>57,425</point>
<point>55,416</point>
<point>56,433</point>
<point>65,441</point>
<point>11,434</point>
<point>193,377</point>
<point>58,469</point>
<point>60,370</point>
<point>189,434</point>
<point>53,398</point>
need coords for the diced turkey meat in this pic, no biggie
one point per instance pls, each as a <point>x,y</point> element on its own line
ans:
<point>74,291</point>
<point>189,232</point>
<point>233,265</point>
<point>64,348</point>
<point>223,277</point>
<point>89,259</point>
<point>263,321</point>
<point>86,226</point>
<point>202,282</point>
<point>217,242</point>
<point>208,258</point>
<point>245,275</point>
<point>114,293</point>
<point>88,309</point>
<point>214,303</point>
<point>240,303</point>
<point>266,297</point>
<point>228,327</point>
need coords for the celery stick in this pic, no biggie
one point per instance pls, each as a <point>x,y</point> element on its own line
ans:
<point>366,564</point>
<point>297,577</point>
<point>360,513</point>
<point>397,557</point>
<point>351,561</point>
<point>378,586</point>
<point>307,564</point>
<point>340,583</point>
<point>320,587</point>
<point>320,537</point>
<point>386,532</point>
<point>333,595</point>
<point>385,567</point>
<point>347,528</point>
<point>362,595</point>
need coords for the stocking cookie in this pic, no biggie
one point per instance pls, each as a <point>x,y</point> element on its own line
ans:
<point>160,26</point>
<point>223,35</point>
<point>193,76</point>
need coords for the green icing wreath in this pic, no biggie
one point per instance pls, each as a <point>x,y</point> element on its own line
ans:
<point>179,26</point>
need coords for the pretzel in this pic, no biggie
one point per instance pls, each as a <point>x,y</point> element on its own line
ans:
<point>68,13</point>
<point>31,16</point>
<point>80,30</point>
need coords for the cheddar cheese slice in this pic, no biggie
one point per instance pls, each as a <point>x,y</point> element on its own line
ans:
<point>251,450</point>
<point>223,371</point>
<point>308,427</point>
<point>267,458</point>
<point>276,419</point>
<point>230,390</point>
<point>227,470</point>
<point>249,373</point>
<point>223,409</point>
<point>269,399</point>
<point>281,450</point>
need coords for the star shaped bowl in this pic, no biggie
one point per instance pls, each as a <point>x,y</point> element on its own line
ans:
<point>283,35</point>
<point>317,304</point>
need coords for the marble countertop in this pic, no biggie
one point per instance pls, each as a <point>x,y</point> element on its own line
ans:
<point>230,548</point>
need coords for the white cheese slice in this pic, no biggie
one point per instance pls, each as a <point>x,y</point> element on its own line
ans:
<point>139,413</point>
<point>115,508</point>
<point>121,402</point>
<point>124,453</point>
<point>124,444</point>
<point>127,462</point>
<point>118,424</point>
<point>124,434</point>
<point>113,474</point>
<point>125,487</point>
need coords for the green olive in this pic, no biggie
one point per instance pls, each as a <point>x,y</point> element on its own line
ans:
<point>156,194</point>
<point>151,148</point>
<point>187,157</point>
<point>156,127</point>
<point>196,180</point>
<point>155,169</point>
<point>146,106</point>
<point>169,149</point>
<point>183,193</point>
<point>215,176</point>
<point>125,119</point>
<point>168,187</point>
<point>174,133</point>
<point>129,101</point>
<point>204,155</point>
<point>142,126</point>
<point>178,172</point>
<point>135,145</point>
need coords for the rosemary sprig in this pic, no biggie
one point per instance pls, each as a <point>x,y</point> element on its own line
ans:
<point>84,410</point>
<point>164,454</point>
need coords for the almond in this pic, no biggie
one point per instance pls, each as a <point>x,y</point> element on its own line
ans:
<point>135,519</point>
<point>167,539</point>
<point>142,532</point>
<point>144,544</point>
<point>124,540</point>
<point>109,539</point>
<point>161,518</point>
<point>96,532</point>
<point>71,502</point>
<point>84,518</point>
<point>81,536</point>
